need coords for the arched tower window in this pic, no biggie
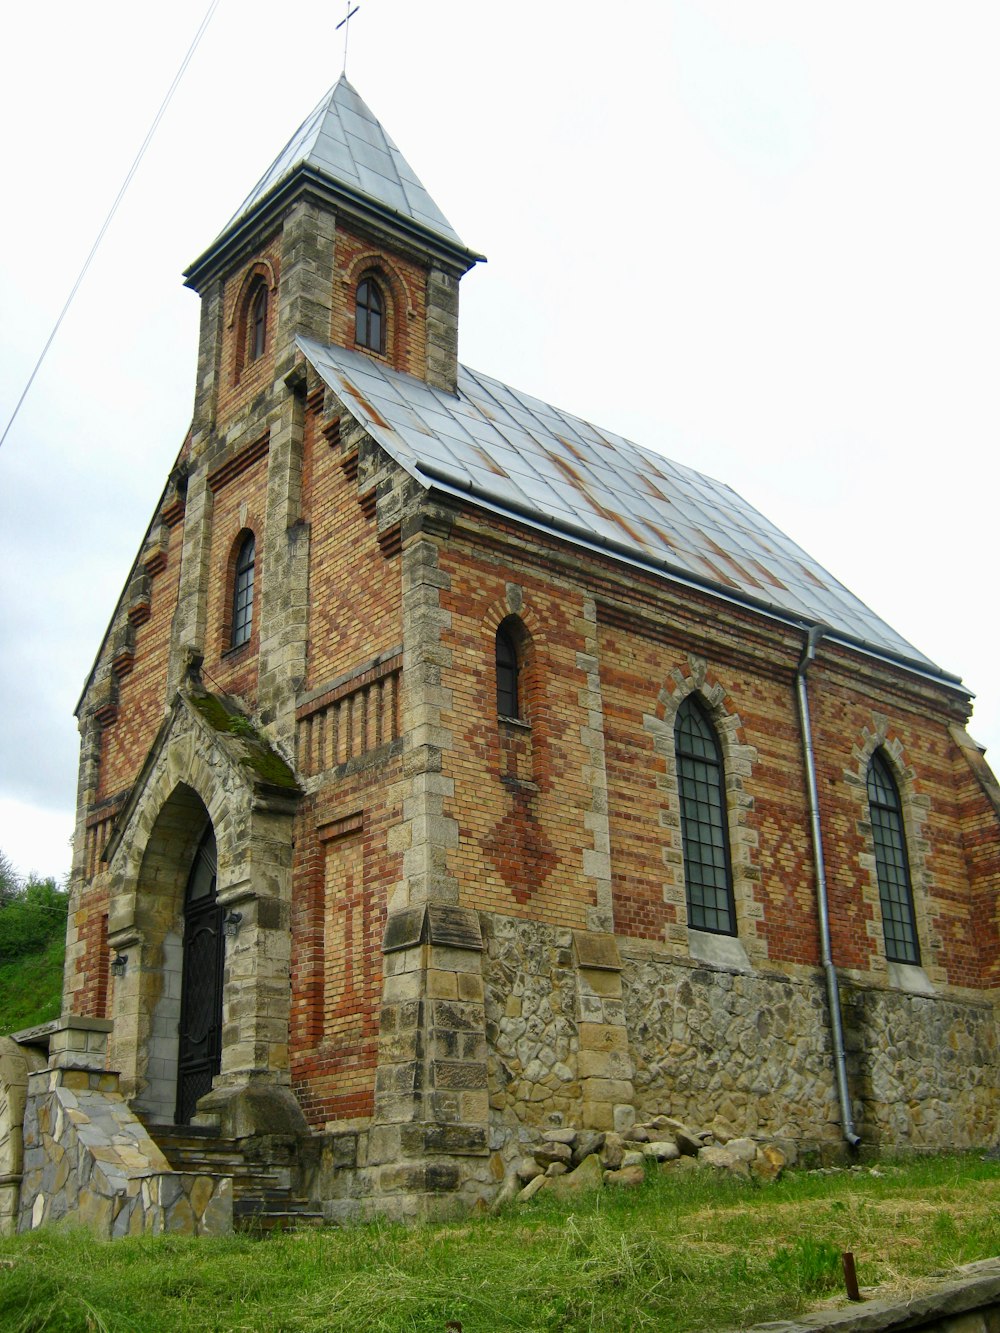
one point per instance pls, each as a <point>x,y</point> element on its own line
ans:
<point>707,871</point>
<point>892,864</point>
<point>369,316</point>
<point>243,581</point>
<point>508,673</point>
<point>257,322</point>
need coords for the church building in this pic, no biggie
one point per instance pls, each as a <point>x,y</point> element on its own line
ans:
<point>453,769</point>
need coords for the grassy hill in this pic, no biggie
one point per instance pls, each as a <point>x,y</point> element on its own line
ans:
<point>32,948</point>
<point>685,1251</point>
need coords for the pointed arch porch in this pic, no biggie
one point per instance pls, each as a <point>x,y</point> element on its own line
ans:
<point>207,765</point>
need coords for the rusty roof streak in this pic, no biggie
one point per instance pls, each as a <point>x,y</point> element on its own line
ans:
<point>733,564</point>
<point>489,463</point>
<point>655,491</point>
<point>766,574</point>
<point>377,417</point>
<point>661,533</point>
<point>568,444</point>
<point>607,514</point>
<point>723,578</point>
<point>812,577</point>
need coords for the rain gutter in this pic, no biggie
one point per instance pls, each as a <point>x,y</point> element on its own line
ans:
<point>822,902</point>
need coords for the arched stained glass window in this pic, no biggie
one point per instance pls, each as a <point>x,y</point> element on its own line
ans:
<point>892,864</point>
<point>707,873</point>
<point>243,593</point>
<point>508,702</point>
<point>369,316</point>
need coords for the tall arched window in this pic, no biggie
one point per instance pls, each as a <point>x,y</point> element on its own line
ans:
<point>508,694</point>
<point>707,872</point>
<point>243,593</point>
<point>369,316</point>
<point>257,323</point>
<point>892,864</point>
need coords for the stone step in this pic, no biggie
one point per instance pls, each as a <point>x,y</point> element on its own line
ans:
<point>262,1191</point>
<point>207,1154</point>
<point>274,1214</point>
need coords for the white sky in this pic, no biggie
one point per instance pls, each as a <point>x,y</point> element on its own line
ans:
<point>757,235</point>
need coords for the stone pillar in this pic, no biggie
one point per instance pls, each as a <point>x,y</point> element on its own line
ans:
<point>430,1137</point>
<point>597,858</point>
<point>284,606</point>
<point>605,1064</point>
<point>442,328</point>
<point>431,1097</point>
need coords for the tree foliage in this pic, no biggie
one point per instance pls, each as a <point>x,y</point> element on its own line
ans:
<point>32,913</point>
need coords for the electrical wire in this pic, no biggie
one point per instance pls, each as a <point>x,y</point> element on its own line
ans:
<point>114,209</point>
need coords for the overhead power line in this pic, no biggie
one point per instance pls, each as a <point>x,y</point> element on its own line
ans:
<point>113,210</point>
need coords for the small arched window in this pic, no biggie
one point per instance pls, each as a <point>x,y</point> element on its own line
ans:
<point>707,872</point>
<point>508,671</point>
<point>892,864</point>
<point>243,593</point>
<point>369,316</point>
<point>257,322</point>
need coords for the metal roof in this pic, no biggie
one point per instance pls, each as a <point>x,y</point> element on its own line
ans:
<point>343,141</point>
<point>516,455</point>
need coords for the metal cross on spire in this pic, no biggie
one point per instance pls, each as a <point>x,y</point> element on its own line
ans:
<point>345,23</point>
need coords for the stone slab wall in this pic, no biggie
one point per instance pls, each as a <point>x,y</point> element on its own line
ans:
<point>740,1053</point>
<point>16,1063</point>
<point>927,1069</point>
<point>736,1051</point>
<point>532,1029</point>
<point>89,1161</point>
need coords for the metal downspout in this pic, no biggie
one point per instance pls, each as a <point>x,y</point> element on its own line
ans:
<point>822,903</point>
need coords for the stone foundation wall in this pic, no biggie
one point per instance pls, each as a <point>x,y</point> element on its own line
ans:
<point>737,1052</point>
<point>532,1029</point>
<point>926,1069</point>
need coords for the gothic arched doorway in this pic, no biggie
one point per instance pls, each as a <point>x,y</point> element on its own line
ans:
<point>200,1033</point>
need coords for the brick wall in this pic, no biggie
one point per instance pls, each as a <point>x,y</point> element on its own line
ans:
<point>403,283</point>
<point>239,505</point>
<point>522,829</point>
<point>342,868</point>
<point>125,743</point>
<point>354,589</point>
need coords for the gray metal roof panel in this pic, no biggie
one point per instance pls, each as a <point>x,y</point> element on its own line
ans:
<point>342,140</point>
<point>525,457</point>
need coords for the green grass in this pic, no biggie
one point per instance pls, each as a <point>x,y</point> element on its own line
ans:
<point>685,1252</point>
<point>31,987</point>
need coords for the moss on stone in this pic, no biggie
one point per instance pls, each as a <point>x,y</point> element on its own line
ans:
<point>259,757</point>
<point>269,766</point>
<point>212,710</point>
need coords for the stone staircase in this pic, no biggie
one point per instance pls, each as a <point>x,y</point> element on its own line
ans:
<point>264,1178</point>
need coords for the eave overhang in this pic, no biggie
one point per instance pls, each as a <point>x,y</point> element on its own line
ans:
<point>303,180</point>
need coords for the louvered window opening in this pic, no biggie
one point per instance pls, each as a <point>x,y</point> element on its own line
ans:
<point>707,872</point>
<point>243,594</point>
<point>892,865</point>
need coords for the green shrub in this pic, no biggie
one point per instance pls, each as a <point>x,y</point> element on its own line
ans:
<point>31,918</point>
